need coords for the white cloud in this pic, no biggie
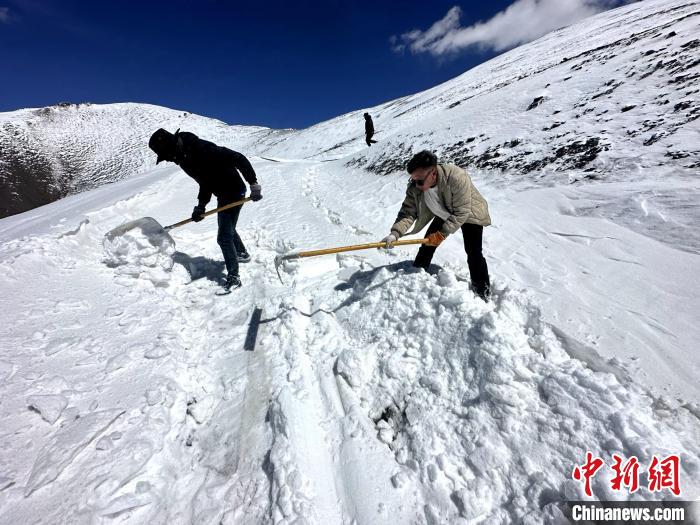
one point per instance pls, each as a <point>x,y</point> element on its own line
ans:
<point>522,21</point>
<point>4,14</point>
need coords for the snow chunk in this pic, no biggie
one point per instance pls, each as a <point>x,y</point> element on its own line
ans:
<point>202,409</point>
<point>124,503</point>
<point>473,504</point>
<point>116,362</point>
<point>486,459</point>
<point>49,407</point>
<point>156,352</point>
<point>401,478</point>
<point>104,443</point>
<point>140,249</point>
<point>153,396</point>
<point>386,435</point>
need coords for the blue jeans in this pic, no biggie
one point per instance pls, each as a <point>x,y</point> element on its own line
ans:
<point>228,239</point>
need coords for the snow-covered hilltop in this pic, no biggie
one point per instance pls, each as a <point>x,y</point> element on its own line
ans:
<point>52,152</point>
<point>361,391</point>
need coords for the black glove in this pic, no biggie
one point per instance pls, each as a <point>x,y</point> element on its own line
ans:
<point>198,213</point>
<point>255,192</point>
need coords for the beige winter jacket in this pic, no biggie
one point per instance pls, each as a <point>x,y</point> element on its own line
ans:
<point>459,196</point>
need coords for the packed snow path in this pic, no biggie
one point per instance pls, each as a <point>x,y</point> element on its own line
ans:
<point>374,393</point>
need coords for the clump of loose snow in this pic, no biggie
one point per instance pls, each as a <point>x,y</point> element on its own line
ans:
<point>142,251</point>
<point>49,406</point>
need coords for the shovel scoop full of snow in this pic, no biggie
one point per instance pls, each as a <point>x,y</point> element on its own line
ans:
<point>144,243</point>
<point>141,242</point>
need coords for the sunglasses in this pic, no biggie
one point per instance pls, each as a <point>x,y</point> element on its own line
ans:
<point>418,182</point>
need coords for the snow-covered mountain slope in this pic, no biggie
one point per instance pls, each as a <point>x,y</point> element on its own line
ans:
<point>359,391</point>
<point>52,152</point>
<point>612,97</point>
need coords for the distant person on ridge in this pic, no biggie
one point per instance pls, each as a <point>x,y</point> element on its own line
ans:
<point>444,193</point>
<point>218,171</point>
<point>369,130</point>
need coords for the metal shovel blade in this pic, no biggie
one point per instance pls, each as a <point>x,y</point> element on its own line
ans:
<point>150,228</point>
<point>156,234</point>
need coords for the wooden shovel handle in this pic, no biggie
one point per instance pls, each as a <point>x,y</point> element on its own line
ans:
<point>352,248</point>
<point>215,210</point>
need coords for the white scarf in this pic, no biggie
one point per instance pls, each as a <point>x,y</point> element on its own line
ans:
<point>432,200</point>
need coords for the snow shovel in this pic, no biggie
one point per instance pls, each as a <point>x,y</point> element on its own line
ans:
<point>152,229</point>
<point>313,253</point>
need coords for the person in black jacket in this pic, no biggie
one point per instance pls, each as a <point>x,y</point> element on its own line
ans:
<point>218,171</point>
<point>369,130</point>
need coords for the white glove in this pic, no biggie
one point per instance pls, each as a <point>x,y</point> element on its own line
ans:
<point>389,241</point>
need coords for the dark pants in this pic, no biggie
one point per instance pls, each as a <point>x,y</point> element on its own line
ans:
<point>478,270</point>
<point>368,139</point>
<point>228,239</point>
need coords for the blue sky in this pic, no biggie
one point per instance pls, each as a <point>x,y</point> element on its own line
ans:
<point>277,64</point>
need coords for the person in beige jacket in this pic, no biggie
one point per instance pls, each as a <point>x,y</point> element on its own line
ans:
<point>445,195</point>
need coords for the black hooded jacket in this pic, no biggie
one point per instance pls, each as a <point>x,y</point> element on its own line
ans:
<point>216,169</point>
<point>369,126</point>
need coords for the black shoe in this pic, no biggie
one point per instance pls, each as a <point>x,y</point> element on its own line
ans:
<point>232,282</point>
<point>243,257</point>
<point>483,291</point>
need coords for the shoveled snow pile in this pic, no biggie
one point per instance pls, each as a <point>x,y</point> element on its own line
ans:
<point>484,410</point>
<point>141,249</point>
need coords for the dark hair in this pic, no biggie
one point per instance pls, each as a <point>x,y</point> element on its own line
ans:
<point>422,159</point>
